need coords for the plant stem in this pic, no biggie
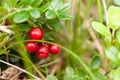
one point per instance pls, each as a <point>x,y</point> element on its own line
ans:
<point>20,69</point>
<point>67,50</point>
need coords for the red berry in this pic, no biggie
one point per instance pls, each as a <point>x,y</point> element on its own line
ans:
<point>36,34</point>
<point>6,22</point>
<point>42,51</point>
<point>31,46</point>
<point>54,49</point>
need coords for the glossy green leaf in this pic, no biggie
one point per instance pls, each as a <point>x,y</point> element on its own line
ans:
<point>112,53</point>
<point>100,28</point>
<point>34,13</point>
<point>117,74</point>
<point>56,4</point>
<point>65,7</point>
<point>50,14</point>
<point>70,71</point>
<point>37,3</point>
<point>114,17</point>
<point>96,62</point>
<point>51,77</point>
<point>21,17</point>
<point>65,16</point>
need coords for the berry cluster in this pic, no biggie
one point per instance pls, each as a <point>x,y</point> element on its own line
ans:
<point>41,50</point>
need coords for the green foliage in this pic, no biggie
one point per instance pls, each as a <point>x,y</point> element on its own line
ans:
<point>51,77</point>
<point>35,13</point>
<point>101,28</point>
<point>111,40</point>
<point>50,14</point>
<point>113,17</point>
<point>21,17</point>
<point>96,62</point>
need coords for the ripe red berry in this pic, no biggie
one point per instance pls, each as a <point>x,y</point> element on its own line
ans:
<point>36,34</point>
<point>54,49</point>
<point>31,46</point>
<point>42,51</point>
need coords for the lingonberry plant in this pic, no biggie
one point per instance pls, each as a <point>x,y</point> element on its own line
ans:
<point>111,46</point>
<point>28,24</point>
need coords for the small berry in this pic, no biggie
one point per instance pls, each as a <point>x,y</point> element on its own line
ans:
<point>54,49</point>
<point>6,22</point>
<point>36,34</point>
<point>31,46</point>
<point>42,51</point>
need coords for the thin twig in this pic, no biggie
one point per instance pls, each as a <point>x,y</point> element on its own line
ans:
<point>16,75</point>
<point>20,69</point>
<point>98,45</point>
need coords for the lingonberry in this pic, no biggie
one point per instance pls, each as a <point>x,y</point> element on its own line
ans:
<point>6,22</point>
<point>54,49</point>
<point>31,46</point>
<point>36,34</point>
<point>42,52</point>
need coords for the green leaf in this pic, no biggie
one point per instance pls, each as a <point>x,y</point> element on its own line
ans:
<point>117,2</point>
<point>107,40</point>
<point>51,77</point>
<point>100,28</point>
<point>117,74</point>
<point>99,75</point>
<point>81,73</point>
<point>44,8</point>
<point>65,16</point>
<point>65,7</point>
<point>50,14</point>
<point>21,17</point>
<point>54,24</point>
<point>56,4</point>
<point>112,53</point>
<point>3,11</point>
<point>8,4</point>
<point>23,27</point>
<point>28,2</point>
<point>70,71</point>
<point>96,62</point>
<point>37,3</point>
<point>114,17</point>
<point>34,13</point>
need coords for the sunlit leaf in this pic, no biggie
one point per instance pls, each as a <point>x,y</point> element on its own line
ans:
<point>100,28</point>
<point>114,17</point>
<point>112,53</point>
<point>50,14</point>
<point>35,13</point>
<point>65,7</point>
<point>21,17</point>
